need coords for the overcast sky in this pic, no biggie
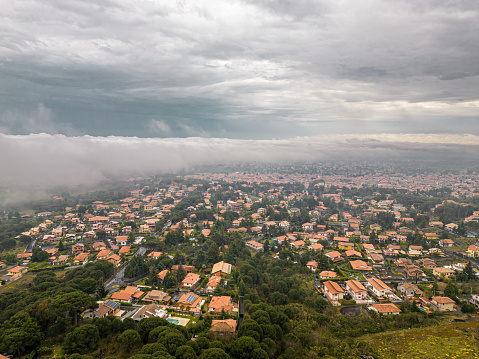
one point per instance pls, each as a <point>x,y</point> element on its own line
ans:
<point>96,74</point>
<point>257,69</point>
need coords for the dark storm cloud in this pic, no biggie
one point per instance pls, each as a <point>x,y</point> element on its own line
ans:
<point>239,69</point>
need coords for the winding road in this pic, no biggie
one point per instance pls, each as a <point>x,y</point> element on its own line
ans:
<point>118,277</point>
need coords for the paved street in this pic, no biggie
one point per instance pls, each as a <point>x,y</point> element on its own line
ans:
<point>118,278</point>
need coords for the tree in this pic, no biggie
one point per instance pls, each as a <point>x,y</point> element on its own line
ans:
<point>467,307</point>
<point>305,258</point>
<point>251,329</point>
<point>155,333</point>
<point>214,353</point>
<point>39,256</point>
<point>468,272</point>
<point>45,277</point>
<point>213,253</point>
<point>200,258</point>
<point>168,200</point>
<point>80,356</point>
<point>148,324</point>
<point>25,239</point>
<point>153,275</point>
<point>137,266</point>
<point>82,339</point>
<point>266,246</point>
<point>451,290</point>
<point>87,285</point>
<point>241,288</point>
<point>101,234</point>
<point>101,291</point>
<point>152,348</point>
<point>203,342</point>
<point>72,303</point>
<point>128,323</point>
<point>131,238</point>
<point>243,347</point>
<point>185,352</point>
<point>259,353</point>
<point>128,340</point>
<point>172,339</point>
<point>104,326</point>
<point>219,288</point>
<point>21,332</point>
<point>180,274</point>
<point>169,281</point>
<point>10,258</point>
<point>414,308</point>
<point>173,238</point>
<point>144,356</point>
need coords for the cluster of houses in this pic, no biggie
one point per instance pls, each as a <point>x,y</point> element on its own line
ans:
<point>80,253</point>
<point>146,211</point>
<point>461,184</point>
<point>367,258</point>
<point>346,240</point>
<point>361,292</point>
<point>385,297</point>
<point>189,300</point>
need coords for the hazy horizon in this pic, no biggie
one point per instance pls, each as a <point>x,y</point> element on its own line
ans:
<point>94,90</point>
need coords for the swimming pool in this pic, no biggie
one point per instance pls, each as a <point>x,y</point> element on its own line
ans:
<point>174,321</point>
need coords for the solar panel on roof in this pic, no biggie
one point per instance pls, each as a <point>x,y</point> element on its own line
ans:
<point>191,298</point>
<point>112,304</point>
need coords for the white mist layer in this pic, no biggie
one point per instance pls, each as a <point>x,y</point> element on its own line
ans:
<point>44,160</point>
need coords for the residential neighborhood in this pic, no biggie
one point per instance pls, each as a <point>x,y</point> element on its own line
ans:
<point>182,250</point>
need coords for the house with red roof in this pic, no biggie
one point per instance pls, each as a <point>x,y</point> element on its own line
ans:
<point>103,254</point>
<point>226,326</point>
<point>356,290</point>
<point>191,281</point>
<point>125,295</point>
<point>255,245</point>
<point>312,265</point>
<point>385,309</point>
<point>163,274</point>
<point>190,300</point>
<point>213,283</point>
<point>155,255</point>
<point>220,303</point>
<point>316,247</point>
<point>326,274</point>
<point>333,291</point>
<point>335,256</point>
<point>298,244</point>
<point>443,303</point>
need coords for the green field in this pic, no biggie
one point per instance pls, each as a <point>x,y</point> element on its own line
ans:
<point>453,341</point>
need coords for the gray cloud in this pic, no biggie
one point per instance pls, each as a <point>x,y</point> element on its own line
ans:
<point>239,69</point>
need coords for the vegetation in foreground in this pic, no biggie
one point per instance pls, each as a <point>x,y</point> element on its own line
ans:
<point>454,341</point>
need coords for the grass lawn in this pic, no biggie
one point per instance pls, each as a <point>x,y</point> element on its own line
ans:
<point>453,341</point>
<point>23,281</point>
<point>61,273</point>
<point>40,265</point>
<point>465,242</point>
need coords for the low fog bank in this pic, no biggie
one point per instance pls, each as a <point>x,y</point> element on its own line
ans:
<point>43,161</point>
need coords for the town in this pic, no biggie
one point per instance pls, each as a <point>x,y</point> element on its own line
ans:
<point>187,249</point>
